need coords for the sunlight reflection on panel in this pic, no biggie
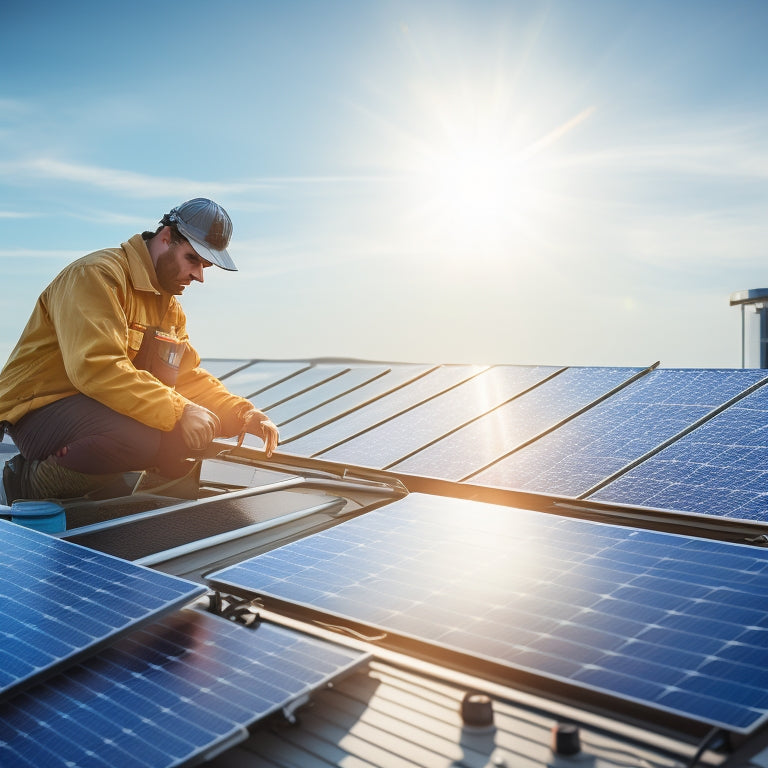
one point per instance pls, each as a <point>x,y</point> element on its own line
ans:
<point>656,618</point>
<point>431,420</point>
<point>497,433</point>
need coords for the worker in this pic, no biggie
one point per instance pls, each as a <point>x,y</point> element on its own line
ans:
<point>104,380</point>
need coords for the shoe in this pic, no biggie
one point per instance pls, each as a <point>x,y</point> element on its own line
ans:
<point>33,480</point>
<point>10,486</point>
<point>49,480</point>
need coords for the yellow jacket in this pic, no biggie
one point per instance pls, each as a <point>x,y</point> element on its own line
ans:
<point>80,339</point>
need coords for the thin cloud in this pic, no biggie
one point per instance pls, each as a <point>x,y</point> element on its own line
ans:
<point>125,182</point>
<point>12,106</point>
<point>24,254</point>
<point>731,149</point>
<point>560,131</point>
<point>142,185</point>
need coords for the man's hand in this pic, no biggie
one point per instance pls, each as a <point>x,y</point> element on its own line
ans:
<point>198,426</point>
<point>257,423</point>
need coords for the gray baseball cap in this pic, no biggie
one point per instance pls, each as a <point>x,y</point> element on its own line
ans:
<point>208,228</point>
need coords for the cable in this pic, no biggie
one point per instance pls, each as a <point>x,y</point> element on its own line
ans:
<point>708,739</point>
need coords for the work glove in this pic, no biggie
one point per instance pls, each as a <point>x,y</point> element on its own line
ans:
<point>258,423</point>
<point>198,426</point>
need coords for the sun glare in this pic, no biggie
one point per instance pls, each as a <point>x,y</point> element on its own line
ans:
<point>478,191</point>
<point>481,186</point>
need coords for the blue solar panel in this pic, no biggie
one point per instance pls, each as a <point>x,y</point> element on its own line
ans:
<point>165,695</point>
<point>668,621</point>
<point>436,381</point>
<point>719,469</point>
<point>494,435</point>
<point>431,420</point>
<point>298,384</point>
<point>396,377</point>
<point>322,393</point>
<point>592,447</point>
<point>59,601</point>
<point>220,368</point>
<point>262,375</point>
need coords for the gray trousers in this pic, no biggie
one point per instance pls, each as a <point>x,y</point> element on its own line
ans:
<point>98,440</point>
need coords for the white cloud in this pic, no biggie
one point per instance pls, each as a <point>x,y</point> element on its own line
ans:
<point>713,146</point>
<point>115,180</point>
<point>12,106</point>
<point>32,253</point>
<point>144,185</point>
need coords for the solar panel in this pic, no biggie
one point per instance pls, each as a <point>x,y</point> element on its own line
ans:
<point>296,385</point>
<point>321,394</point>
<point>718,469</point>
<point>340,406</point>
<point>664,620</point>
<point>493,435</point>
<point>433,383</point>
<point>59,601</point>
<point>220,368</point>
<point>592,447</point>
<point>261,375</point>
<point>416,428</point>
<point>175,691</point>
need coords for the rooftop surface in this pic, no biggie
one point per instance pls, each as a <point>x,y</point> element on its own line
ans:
<point>495,558</point>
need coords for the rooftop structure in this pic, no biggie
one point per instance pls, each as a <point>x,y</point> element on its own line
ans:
<point>456,565</point>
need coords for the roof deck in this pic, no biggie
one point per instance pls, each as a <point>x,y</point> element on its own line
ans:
<point>509,565</point>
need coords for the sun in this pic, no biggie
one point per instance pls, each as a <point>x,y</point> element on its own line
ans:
<point>477,181</point>
<point>477,191</point>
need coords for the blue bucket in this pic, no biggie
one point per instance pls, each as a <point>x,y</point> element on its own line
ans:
<point>45,516</point>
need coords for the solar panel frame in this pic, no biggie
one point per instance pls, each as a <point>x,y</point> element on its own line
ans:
<point>328,391</point>
<point>609,610</point>
<point>263,374</point>
<point>413,430</point>
<point>493,435</point>
<point>176,690</point>
<point>579,455</point>
<point>718,469</point>
<point>87,597</point>
<point>223,368</point>
<point>301,382</point>
<point>435,381</point>
<point>398,376</point>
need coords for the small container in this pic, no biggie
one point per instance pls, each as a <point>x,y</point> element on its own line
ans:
<point>45,516</point>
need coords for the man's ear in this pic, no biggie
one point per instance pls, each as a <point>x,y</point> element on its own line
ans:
<point>165,235</point>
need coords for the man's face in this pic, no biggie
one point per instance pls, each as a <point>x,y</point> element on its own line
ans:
<point>179,265</point>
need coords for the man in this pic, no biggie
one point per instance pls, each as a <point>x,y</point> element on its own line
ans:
<point>104,380</point>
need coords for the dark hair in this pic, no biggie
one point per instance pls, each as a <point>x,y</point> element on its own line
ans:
<point>176,236</point>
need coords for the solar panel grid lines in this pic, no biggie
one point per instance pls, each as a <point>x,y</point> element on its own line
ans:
<point>297,384</point>
<point>166,694</point>
<point>484,441</point>
<point>458,431</point>
<point>324,393</point>
<point>719,469</point>
<point>608,437</point>
<point>399,375</point>
<point>667,621</point>
<point>252,379</point>
<point>60,601</point>
<point>713,475</point>
<point>223,369</point>
<point>426,422</point>
<point>435,381</point>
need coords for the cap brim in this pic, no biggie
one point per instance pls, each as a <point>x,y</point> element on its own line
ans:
<point>219,258</point>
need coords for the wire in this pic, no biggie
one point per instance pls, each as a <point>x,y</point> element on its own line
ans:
<point>708,739</point>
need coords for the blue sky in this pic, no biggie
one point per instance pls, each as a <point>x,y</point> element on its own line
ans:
<point>561,182</point>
